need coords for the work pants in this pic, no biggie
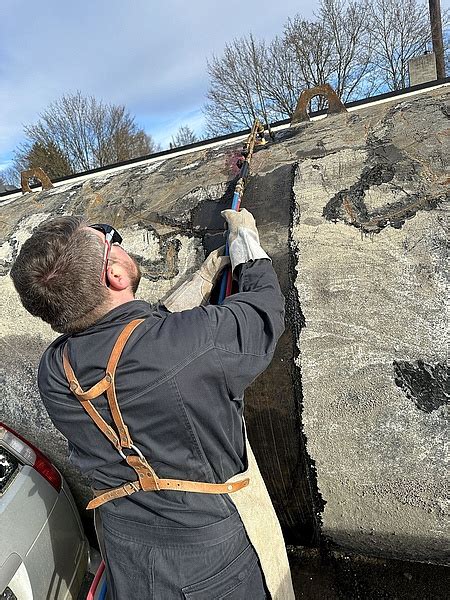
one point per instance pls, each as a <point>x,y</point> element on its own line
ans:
<point>146,562</point>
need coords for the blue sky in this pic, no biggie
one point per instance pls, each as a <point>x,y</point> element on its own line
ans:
<point>150,56</point>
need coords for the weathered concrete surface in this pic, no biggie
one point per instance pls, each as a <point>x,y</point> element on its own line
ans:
<point>167,213</point>
<point>374,304</point>
<point>346,396</point>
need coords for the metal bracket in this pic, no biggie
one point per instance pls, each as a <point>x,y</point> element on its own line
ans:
<point>37,173</point>
<point>335,104</point>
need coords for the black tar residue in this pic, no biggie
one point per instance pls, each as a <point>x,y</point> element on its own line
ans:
<point>206,215</point>
<point>348,205</point>
<point>296,318</point>
<point>385,161</point>
<point>270,198</point>
<point>426,385</point>
<point>370,176</point>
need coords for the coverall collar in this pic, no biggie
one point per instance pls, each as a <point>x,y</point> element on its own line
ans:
<point>124,313</point>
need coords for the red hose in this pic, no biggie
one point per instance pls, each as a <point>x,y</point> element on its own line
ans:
<point>94,584</point>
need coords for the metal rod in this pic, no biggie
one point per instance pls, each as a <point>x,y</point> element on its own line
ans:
<point>249,146</point>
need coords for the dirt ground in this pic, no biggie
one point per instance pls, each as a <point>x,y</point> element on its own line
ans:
<point>333,575</point>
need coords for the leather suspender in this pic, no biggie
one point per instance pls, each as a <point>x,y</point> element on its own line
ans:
<point>148,480</point>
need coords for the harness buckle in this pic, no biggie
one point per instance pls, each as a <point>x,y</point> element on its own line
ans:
<point>148,479</point>
<point>130,488</point>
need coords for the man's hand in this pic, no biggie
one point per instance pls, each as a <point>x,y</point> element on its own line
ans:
<point>243,237</point>
<point>197,290</point>
<point>237,220</point>
<point>214,265</point>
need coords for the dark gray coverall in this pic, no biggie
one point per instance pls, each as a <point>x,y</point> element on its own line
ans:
<point>180,385</point>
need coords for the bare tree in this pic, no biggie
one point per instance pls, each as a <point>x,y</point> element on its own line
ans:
<point>49,157</point>
<point>5,185</point>
<point>257,56</point>
<point>401,30</point>
<point>253,79</point>
<point>359,47</point>
<point>313,49</point>
<point>78,133</point>
<point>183,137</point>
<point>346,25</point>
<point>236,95</point>
<point>10,177</point>
<point>334,49</point>
<point>283,80</point>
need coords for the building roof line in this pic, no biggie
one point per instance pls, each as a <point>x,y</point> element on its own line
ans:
<point>150,158</point>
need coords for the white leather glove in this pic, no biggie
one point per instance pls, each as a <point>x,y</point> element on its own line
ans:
<point>197,290</point>
<point>243,237</point>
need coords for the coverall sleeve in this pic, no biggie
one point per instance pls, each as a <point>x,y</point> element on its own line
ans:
<point>247,326</point>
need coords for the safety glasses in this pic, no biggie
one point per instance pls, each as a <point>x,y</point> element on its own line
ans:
<point>112,236</point>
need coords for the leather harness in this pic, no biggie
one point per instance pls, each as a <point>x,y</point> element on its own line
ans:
<point>147,481</point>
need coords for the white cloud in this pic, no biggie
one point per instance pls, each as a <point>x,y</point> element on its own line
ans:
<point>149,56</point>
<point>5,165</point>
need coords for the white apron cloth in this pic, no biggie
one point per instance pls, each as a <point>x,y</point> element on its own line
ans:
<point>255,508</point>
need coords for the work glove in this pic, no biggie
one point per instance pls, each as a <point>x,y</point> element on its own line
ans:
<point>243,237</point>
<point>197,290</point>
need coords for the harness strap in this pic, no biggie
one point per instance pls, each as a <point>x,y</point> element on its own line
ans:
<point>95,391</point>
<point>148,481</point>
<point>85,397</point>
<point>177,485</point>
<point>124,434</point>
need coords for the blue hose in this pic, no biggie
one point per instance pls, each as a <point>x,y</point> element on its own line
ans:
<point>103,591</point>
<point>223,283</point>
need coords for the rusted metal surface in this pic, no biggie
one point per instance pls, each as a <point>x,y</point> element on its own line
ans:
<point>36,173</point>
<point>335,104</point>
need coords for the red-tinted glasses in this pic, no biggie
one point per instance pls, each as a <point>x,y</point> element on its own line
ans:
<point>112,236</point>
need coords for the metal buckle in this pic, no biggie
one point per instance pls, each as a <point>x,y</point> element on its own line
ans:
<point>138,452</point>
<point>135,448</point>
<point>131,485</point>
<point>74,386</point>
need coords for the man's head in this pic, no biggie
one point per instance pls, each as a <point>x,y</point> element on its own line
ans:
<point>64,275</point>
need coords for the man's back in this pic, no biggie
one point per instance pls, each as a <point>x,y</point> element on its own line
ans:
<point>180,386</point>
<point>179,382</point>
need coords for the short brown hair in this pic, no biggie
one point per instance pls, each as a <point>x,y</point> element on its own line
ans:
<point>57,275</point>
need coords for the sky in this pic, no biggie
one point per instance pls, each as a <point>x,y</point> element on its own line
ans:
<point>149,56</point>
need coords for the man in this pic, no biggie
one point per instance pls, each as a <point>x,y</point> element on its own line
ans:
<point>151,402</point>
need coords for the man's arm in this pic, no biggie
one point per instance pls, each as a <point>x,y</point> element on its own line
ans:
<point>197,289</point>
<point>243,241</point>
<point>247,326</point>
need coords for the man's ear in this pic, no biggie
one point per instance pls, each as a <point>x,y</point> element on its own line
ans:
<point>117,276</point>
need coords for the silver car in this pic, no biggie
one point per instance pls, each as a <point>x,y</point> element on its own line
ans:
<point>44,553</point>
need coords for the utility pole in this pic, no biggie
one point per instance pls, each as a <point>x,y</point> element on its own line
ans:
<point>436,35</point>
